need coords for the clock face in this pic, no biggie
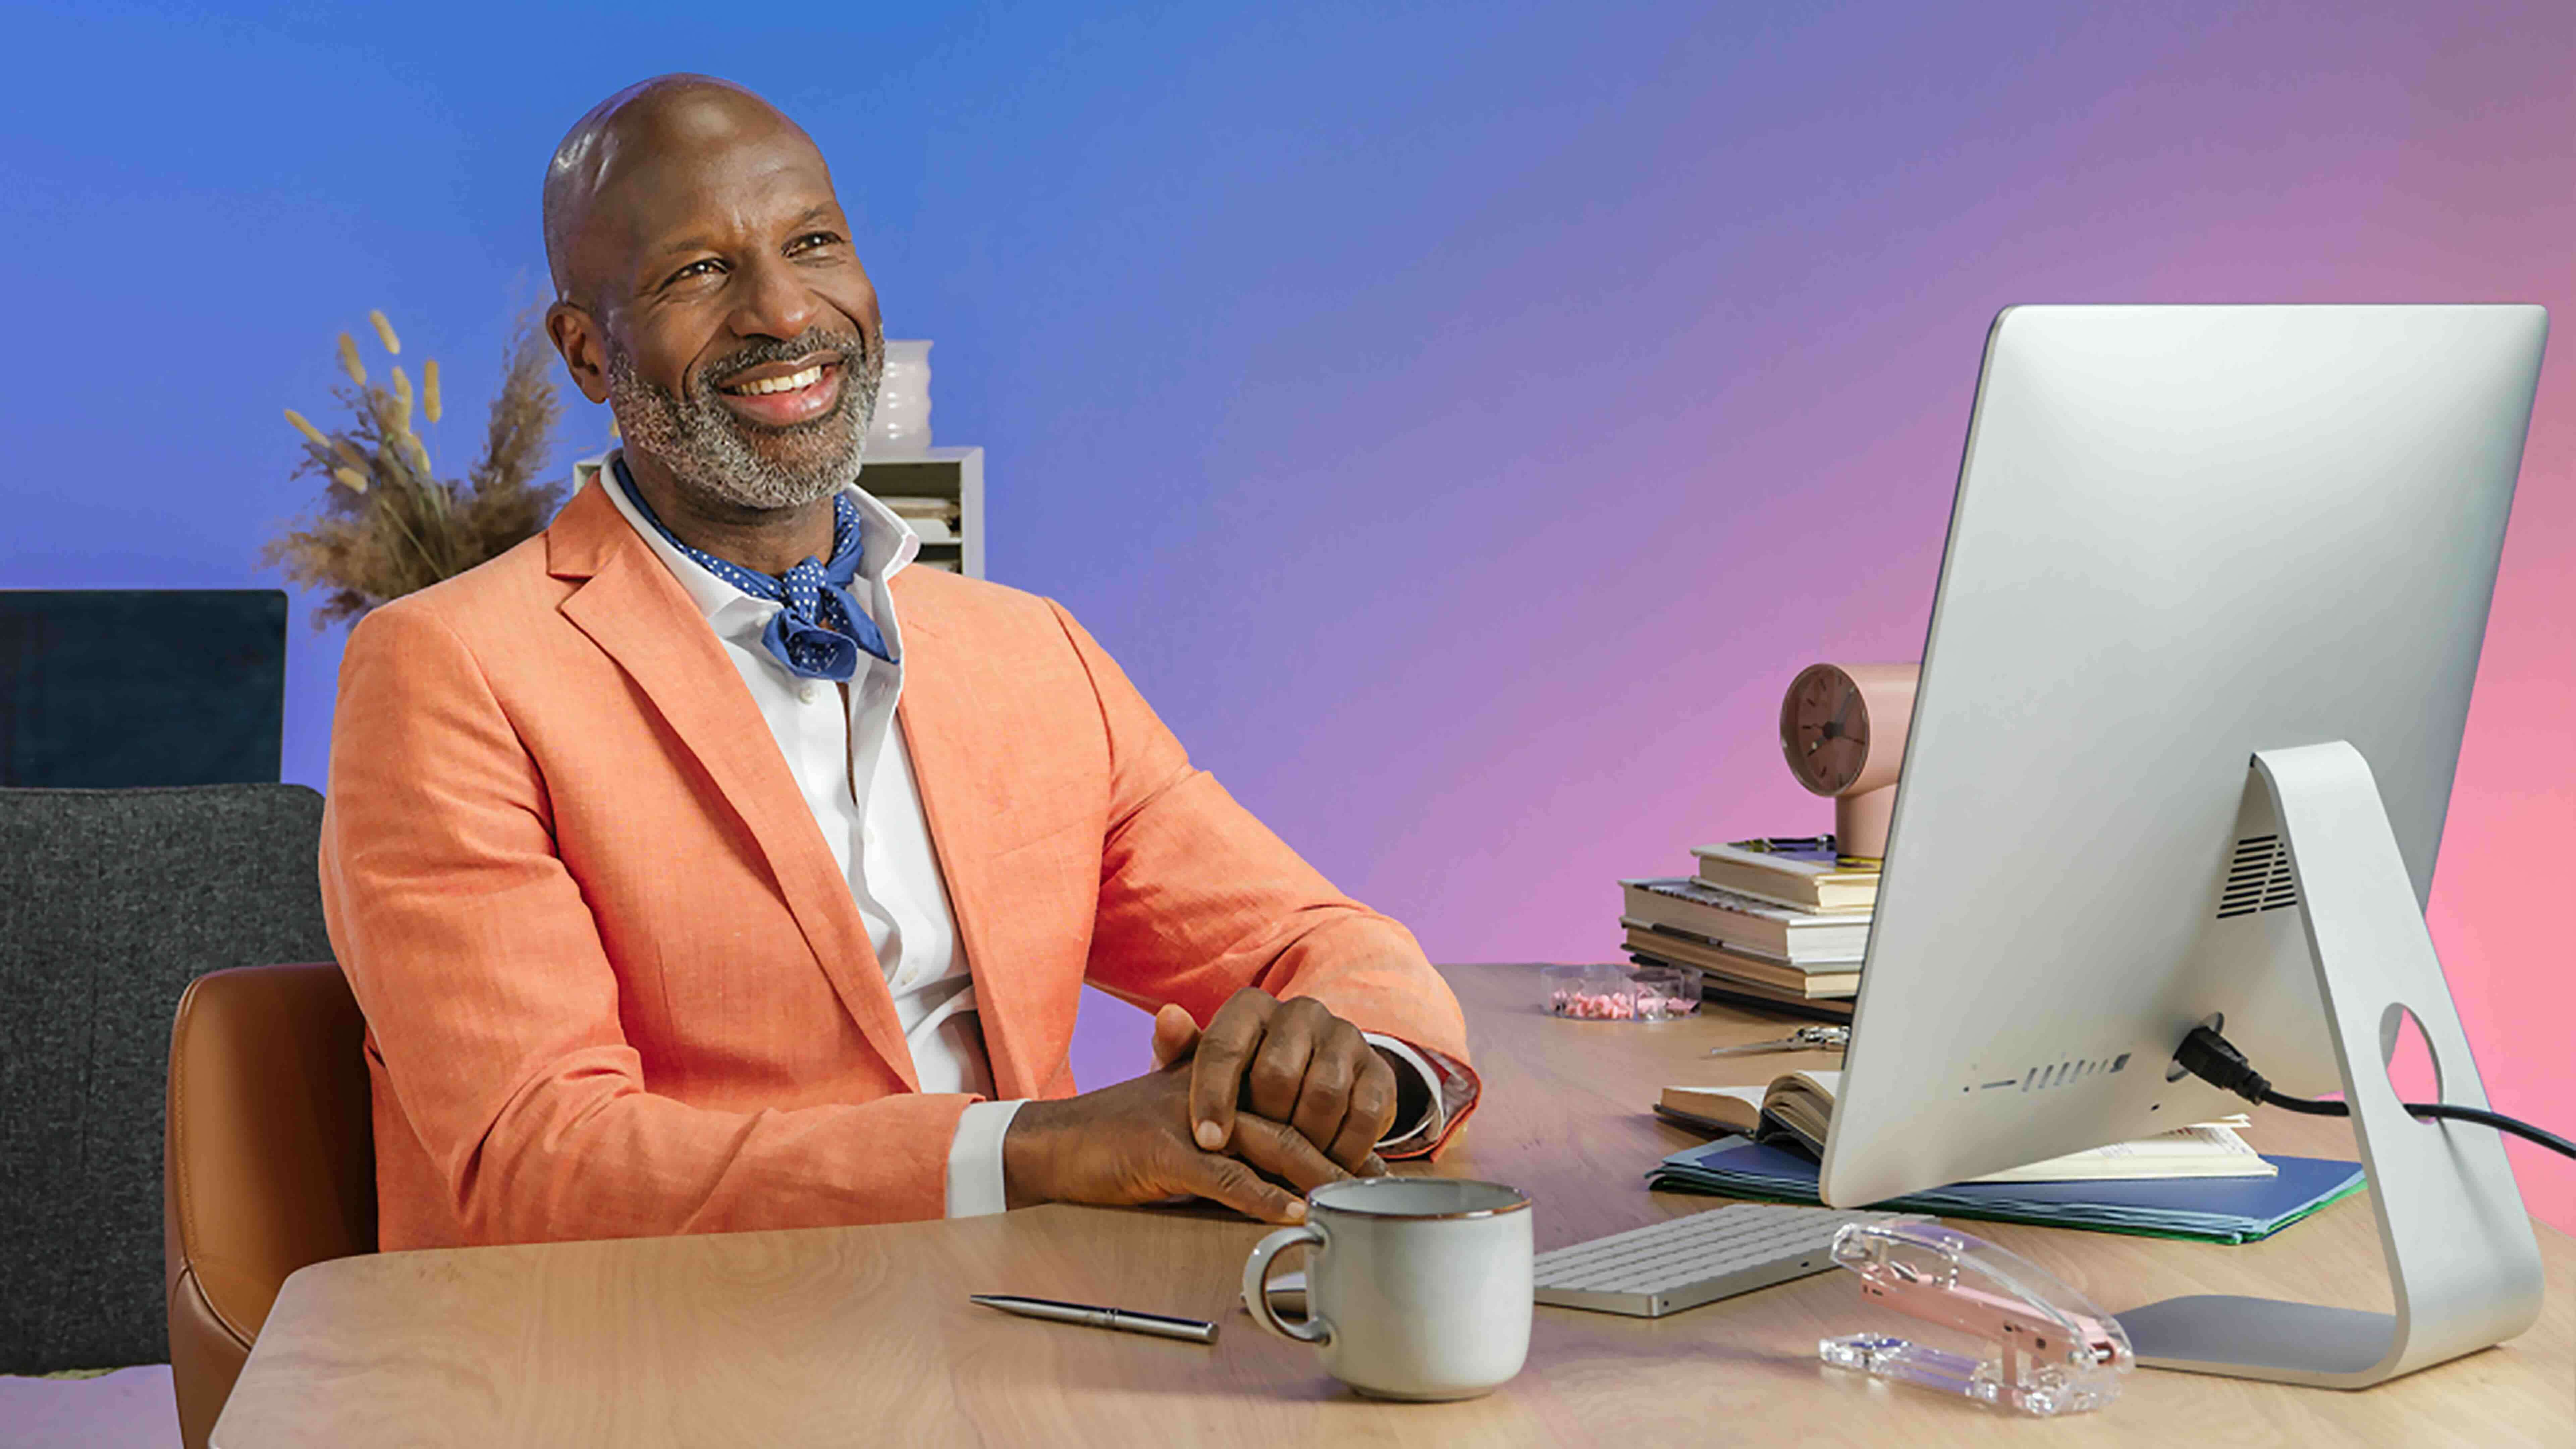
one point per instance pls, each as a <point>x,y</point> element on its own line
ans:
<point>1824,728</point>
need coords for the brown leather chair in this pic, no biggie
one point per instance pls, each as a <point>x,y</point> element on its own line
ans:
<point>268,1162</point>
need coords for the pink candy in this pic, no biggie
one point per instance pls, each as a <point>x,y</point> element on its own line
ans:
<point>1618,1005</point>
<point>1596,1005</point>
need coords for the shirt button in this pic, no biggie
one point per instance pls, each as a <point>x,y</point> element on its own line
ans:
<point>805,692</point>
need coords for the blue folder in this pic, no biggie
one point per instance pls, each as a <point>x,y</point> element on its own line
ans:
<point>2206,1209</point>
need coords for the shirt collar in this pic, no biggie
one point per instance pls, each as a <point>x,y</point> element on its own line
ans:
<point>887,544</point>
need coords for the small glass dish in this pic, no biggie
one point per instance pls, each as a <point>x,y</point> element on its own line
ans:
<point>1663,993</point>
<point>1618,993</point>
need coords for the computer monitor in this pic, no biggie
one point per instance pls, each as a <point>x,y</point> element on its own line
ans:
<point>2199,662</point>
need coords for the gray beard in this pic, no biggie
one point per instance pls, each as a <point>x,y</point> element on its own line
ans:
<point>713,453</point>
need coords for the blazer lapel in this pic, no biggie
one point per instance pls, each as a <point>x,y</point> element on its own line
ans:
<point>635,611</point>
<point>965,788</point>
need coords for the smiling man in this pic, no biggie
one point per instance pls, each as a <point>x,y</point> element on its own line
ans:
<point>701,867</point>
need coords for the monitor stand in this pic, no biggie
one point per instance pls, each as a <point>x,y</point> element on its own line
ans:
<point>2461,1255</point>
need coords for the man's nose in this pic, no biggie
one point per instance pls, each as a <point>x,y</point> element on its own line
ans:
<point>771,300</point>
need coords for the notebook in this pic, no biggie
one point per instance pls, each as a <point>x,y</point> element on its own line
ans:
<point>1799,1106</point>
<point>2202,1209</point>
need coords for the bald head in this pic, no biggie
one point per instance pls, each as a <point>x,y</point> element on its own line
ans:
<point>622,143</point>
<point>708,289</point>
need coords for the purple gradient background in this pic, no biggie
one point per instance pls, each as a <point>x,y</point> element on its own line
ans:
<point>1461,420</point>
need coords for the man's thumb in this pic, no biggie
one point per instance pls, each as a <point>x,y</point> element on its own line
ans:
<point>1175,1035</point>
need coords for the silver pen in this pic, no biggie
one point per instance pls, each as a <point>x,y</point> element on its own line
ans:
<point>1125,1320</point>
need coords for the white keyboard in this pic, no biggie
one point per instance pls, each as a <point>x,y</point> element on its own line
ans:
<point>1687,1261</point>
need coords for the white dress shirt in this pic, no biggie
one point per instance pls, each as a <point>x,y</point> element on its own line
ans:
<point>849,761</point>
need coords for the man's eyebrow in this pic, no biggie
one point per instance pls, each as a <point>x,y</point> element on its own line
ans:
<point>671,250</point>
<point>666,254</point>
<point>685,244</point>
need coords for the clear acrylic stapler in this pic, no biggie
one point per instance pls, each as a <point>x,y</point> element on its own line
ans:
<point>2047,1349</point>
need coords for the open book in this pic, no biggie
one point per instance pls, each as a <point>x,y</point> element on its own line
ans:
<point>1797,1109</point>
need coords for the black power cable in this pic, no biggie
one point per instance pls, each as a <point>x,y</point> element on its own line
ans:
<point>2212,1058</point>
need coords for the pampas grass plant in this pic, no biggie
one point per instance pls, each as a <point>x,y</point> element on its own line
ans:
<point>388,525</point>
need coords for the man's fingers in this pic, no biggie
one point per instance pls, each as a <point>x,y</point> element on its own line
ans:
<point>1324,1099</point>
<point>1278,1069</point>
<point>1174,1034</point>
<point>1283,1151</point>
<point>1216,1068</point>
<point>1223,1179</point>
<point>1371,1115</point>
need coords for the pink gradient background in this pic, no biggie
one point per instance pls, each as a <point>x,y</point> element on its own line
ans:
<point>1479,679</point>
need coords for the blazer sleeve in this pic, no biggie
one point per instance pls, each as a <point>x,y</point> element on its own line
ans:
<point>1199,899</point>
<point>494,1007</point>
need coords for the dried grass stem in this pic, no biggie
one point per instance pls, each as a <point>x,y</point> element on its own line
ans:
<point>389,526</point>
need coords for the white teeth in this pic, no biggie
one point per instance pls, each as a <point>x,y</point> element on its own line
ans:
<point>789,383</point>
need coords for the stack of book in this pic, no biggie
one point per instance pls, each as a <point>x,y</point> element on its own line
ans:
<point>1778,922</point>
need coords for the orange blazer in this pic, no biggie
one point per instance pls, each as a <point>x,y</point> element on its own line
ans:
<point>615,984</point>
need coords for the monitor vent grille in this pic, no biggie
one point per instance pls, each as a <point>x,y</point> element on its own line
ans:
<point>2258,878</point>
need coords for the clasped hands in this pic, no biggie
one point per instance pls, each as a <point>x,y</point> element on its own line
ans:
<point>1271,1092</point>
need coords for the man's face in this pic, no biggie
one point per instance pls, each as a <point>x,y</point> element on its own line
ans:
<point>731,326</point>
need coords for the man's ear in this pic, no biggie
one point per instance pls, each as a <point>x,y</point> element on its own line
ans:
<point>576,335</point>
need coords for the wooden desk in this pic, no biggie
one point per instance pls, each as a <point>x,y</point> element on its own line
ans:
<point>864,1335</point>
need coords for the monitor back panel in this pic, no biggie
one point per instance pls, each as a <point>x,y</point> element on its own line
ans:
<point>2181,535</point>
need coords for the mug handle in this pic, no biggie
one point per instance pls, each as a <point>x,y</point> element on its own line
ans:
<point>1256,1286</point>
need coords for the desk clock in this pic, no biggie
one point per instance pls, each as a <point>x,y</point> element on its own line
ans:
<point>1842,727</point>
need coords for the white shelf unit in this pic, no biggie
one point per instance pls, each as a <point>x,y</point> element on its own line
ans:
<point>954,473</point>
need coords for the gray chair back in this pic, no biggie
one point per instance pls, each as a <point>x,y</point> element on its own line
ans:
<point>111,902</point>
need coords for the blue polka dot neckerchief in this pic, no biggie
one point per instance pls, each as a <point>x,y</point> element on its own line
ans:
<point>819,629</point>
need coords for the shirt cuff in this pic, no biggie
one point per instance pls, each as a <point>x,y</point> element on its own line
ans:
<point>975,1186</point>
<point>1434,1117</point>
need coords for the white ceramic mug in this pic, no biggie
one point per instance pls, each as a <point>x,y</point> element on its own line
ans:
<point>1416,1287</point>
